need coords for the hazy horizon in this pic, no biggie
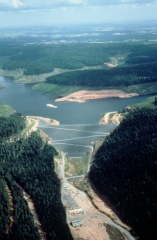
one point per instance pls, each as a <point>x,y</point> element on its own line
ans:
<point>26,13</point>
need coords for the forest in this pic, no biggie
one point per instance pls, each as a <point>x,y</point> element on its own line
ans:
<point>122,76</point>
<point>41,58</point>
<point>79,65</point>
<point>124,170</point>
<point>26,163</point>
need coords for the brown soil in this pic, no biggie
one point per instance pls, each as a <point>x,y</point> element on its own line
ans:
<point>104,205</point>
<point>113,117</point>
<point>11,207</point>
<point>93,227</point>
<point>35,216</point>
<point>83,95</point>
<point>48,120</point>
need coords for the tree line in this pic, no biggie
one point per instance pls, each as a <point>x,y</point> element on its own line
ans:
<point>11,125</point>
<point>121,76</point>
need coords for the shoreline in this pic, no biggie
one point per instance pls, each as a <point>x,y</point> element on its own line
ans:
<point>48,120</point>
<point>113,117</point>
<point>84,95</point>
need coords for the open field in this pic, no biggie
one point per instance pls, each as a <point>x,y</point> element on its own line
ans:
<point>77,166</point>
<point>149,102</point>
<point>142,89</point>
<point>55,90</point>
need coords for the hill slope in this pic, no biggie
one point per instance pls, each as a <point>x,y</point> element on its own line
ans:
<point>26,164</point>
<point>125,170</point>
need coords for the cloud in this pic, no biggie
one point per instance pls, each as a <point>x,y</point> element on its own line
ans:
<point>11,4</point>
<point>119,2</point>
<point>73,2</point>
<point>48,4</point>
<point>17,3</point>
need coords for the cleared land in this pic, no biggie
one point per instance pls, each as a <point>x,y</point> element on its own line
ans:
<point>82,96</point>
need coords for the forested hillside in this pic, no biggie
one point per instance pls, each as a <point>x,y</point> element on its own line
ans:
<point>42,58</point>
<point>27,164</point>
<point>130,59</point>
<point>83,65</point>
<point>122,76</point>
<point>125,170</point>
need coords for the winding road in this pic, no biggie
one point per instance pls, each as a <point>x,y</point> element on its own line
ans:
<point>78,196</point>
<point>85,204</point>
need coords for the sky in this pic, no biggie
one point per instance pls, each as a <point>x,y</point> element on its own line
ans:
<point>14,13</point>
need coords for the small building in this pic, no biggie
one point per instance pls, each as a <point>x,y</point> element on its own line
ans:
<point>76,222</point>
<point>76,211</point>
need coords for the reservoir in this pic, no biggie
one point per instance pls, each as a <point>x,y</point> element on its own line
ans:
<point>30,102</point>
<point>79,128</point>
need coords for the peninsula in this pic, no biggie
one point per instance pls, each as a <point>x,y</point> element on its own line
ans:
<point>84,95</point>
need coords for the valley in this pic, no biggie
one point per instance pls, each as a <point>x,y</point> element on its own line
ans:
<point>72,88</point>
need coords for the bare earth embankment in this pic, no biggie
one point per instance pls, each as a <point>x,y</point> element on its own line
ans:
<point>48,120</point>
<point>84,95</point>
<point>113,117</point>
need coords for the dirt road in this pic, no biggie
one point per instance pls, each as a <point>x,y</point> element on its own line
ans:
<point>78,206</point>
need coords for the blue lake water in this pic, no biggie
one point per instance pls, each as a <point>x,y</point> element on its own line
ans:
<point>79,127</point>
<point>30,102</point>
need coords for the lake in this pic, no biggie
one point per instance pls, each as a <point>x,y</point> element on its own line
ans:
<point>79,127</point>
<point>30,102</point>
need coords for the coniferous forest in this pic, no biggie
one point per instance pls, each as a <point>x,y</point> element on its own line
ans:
<point>26,164</point>
<point>125,171</point>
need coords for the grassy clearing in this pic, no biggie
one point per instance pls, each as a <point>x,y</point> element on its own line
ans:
<point>19,77</point>
<point>62,90</point>
<point>40,77</point>
<point>15,74</point>
<point>74,166</point>
<point>77,163</point>
<point>149,102</point>
<point>56,90</point>
<point>146,88</point>
<point>85,160</point>
<point>6,110</point>
<point>77,166</point>
<point>67,167</point>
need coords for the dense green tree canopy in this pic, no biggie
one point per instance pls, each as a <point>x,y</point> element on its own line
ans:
<point>26,163</point>
<point>125,170</point>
